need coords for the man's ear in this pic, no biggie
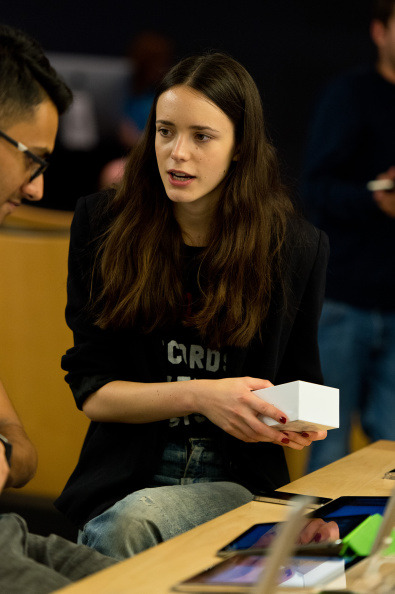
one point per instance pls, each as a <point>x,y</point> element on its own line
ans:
<point>377,30</point>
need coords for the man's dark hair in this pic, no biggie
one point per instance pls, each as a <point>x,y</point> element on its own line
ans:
<point>26,77</point>
<point>382,10</point>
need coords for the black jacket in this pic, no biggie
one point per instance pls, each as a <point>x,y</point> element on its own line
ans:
<point>117,459</point>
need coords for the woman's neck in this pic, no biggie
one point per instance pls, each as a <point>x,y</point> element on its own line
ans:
<point>194,222</point>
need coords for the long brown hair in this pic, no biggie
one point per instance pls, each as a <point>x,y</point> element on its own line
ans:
<point>140,257</point>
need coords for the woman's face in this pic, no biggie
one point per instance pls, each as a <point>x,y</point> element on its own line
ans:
<point>194,144</point>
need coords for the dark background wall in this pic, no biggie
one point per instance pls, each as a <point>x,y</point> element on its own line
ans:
<point>291,47</point>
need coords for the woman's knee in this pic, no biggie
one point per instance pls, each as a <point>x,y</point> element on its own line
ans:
<point>150,516</point>
<point>125,529</point>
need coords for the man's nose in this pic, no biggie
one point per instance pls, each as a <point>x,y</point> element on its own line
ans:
<point>34,190</point>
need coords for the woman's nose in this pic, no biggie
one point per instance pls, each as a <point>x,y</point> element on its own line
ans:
<point>180,151</point>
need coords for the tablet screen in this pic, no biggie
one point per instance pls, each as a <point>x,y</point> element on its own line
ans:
<point>251,538</point>
<point>351,506</point>
<point>247,569</point>
<point>260,536</point>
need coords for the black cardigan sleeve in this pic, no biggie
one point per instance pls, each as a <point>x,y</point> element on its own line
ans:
<point>287,349</point>
<point>301,359</point>
<point>87,362</point>
<point>100,356</point>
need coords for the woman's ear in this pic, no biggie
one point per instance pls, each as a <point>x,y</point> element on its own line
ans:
<point>235,155</point>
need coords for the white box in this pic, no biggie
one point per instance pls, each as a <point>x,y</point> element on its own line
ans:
<point>309,407</point>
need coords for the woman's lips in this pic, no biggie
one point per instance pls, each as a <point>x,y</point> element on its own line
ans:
<point>179,178</point>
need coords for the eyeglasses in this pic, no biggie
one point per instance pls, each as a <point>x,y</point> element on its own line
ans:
<point>43,164</point>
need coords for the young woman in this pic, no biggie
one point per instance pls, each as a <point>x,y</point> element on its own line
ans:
<point>201,272</point>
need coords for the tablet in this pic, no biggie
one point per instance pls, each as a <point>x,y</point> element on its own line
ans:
<point>351,506</point>
<point>241,573</point>
<point>260,536</point>
<point>286,498</point>
<point>347,512</point>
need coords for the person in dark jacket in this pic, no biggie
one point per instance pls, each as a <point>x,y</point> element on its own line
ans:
<point>352,143</point>
<point>190,287</point>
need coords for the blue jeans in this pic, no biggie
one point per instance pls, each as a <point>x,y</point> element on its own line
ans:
<point>189,488</point>
<point>357,350</point>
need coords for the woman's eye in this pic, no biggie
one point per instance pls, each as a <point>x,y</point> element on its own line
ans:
<point>164,132</point>
<point>202,137</point>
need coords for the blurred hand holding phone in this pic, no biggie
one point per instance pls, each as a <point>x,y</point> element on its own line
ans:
<point>376,185</point>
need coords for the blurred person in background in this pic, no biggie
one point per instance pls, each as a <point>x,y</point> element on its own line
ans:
<point>352,142</point>
<point>150,55</point>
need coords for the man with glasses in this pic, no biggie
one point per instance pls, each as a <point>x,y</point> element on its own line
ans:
<point>32,97</point>
<point>37,164</point>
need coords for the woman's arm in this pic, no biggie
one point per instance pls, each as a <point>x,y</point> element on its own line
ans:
<point>229,403</point>
<point>24,456</point>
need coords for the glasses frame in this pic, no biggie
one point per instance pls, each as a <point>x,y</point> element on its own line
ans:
<point>43,164</point>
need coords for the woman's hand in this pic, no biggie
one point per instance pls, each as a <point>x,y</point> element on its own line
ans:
<point>230,404</point>
<point>301,440</point>
<point>317,530</point>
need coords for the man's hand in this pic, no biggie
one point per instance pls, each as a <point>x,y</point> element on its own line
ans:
<point>24,456</point>
<point>385,199</point>
<point>4,468</point>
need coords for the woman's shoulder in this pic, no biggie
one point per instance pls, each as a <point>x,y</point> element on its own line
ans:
<point>304,240</point>
<point>93,211</point>
<point>301,232</point>
<point>95,204</point>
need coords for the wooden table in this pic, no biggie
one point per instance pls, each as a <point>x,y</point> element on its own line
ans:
<point>156,570</point>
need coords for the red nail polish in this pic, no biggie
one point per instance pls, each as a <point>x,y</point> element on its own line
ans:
<point>304,434</point>
<point>283,420</point>
<point>285,440</point>
<point>317,537</point>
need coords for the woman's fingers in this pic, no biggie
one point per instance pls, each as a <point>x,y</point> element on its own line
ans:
<point>231,404</point>
<point>251,429</point>
<point>261,407</point>
<point>317,530</point>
